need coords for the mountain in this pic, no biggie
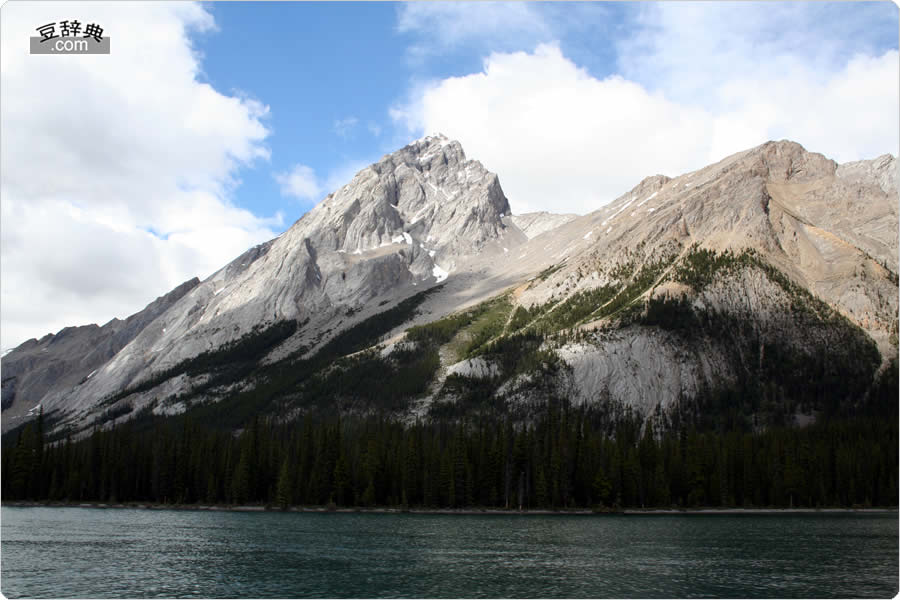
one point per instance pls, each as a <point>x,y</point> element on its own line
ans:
<point>400,223</point>
<point>772,250</point>
<point>57,363</point>
<point>536,223</point>
<point>761,289</point>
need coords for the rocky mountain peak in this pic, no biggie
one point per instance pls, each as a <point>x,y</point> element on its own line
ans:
<point>785,160</point>
<point>402,222</point>
<point>431,146</point>
<point>427,195</point>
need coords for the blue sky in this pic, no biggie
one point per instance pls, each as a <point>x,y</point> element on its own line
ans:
<point>313,65</point>
<point>331,72</point>
<point>212,127</point>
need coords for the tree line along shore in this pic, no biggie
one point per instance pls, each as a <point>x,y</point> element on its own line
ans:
<point>564,459</point>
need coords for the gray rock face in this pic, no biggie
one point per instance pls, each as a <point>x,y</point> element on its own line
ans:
<point>881,171</point>
<point>536,223</point>
<point>477,368</point>
<point>651,369</point>
<point>58,363</point>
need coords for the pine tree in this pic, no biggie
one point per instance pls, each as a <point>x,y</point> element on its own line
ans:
<point>212,493</point>
<point>284,490</point>
<point>240,482</point>
<point>342,481</point>
<point>602,488</point>
<point>448,494</point>
<point>540,488</point>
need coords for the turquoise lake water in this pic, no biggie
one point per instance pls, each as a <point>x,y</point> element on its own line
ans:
<point>84,552</point>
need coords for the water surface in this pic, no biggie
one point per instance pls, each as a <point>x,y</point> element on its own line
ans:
<point>84,552</point>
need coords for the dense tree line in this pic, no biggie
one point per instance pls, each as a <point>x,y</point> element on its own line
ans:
<point>564,458</point>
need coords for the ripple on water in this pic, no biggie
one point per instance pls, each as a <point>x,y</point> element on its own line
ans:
<point>53,552</point>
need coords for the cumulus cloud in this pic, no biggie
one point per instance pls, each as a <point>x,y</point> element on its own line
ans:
<point>559,138</point>
<point>687,48</point>
<point>300,182</point>
<point>562,139</point>
<point>851,115</point>
<point>830,82</point>
<point>303,183</point>
<point>117,170</point>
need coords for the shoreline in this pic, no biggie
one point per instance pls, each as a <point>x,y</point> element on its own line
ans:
<point>446,511</point>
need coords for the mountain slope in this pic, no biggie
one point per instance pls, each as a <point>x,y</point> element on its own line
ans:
<point>768,199</point>
<point>55,364</point>
<point>763,286</point>
<point>536,223</point>
<point>403,222</point>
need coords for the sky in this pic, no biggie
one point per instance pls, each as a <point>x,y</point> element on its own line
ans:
<point>212,127</point>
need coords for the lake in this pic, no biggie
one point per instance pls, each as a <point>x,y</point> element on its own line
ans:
<point>85,552</point>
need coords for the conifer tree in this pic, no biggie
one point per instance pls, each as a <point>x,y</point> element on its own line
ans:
<point>284,491</point>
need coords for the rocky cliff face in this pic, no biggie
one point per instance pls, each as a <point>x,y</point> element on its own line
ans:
<point>56,364</point>
<point>536,223</point>
<point>680,289</point>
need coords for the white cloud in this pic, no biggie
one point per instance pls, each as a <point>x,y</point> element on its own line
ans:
<point>303,183</point>
<point>100,150</point>
<point>687,48</point>
<point>850,116</point>
<point>560,139</point>
<point>300,182</point>
<point>821,74</point>
<point>449,25</point>
<point>564,140</point>
<point>344,127</point>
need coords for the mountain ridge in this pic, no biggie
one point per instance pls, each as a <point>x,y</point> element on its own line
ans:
<point>427,215</point>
